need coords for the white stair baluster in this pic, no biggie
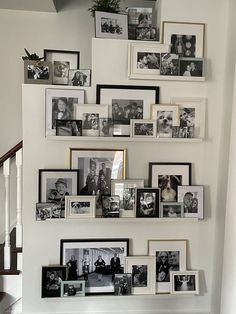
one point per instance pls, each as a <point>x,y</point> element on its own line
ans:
<point>7,247</point>
<point>19,229</point>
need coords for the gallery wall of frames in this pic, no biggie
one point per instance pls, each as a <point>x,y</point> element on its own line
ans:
<point>103,178</point>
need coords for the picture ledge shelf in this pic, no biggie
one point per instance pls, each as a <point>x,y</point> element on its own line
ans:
<point>123,139</point>
<point>174,78</point>
<point>125,219</point>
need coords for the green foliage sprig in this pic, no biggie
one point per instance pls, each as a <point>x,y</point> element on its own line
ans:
<point>105,6</point>
<point>31,56</point>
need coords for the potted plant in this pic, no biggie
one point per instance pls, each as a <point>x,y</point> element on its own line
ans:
<point>112,6</point>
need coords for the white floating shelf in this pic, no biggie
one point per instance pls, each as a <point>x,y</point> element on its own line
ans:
<point>118,220</point>
<point>171,78</point>
<point>123,139</point>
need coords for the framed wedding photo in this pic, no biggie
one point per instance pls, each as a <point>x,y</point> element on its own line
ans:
<point>97,261</point>
<point>126,191</point>
<point>172,210</point>
<point>143,128</point>
<point>60,105</point>
<point>52,277</point>
<point>72,288</point>
<point>37,72</point>
<point>192,199</point>
<point>145,60</point>
<point>111,25</point>
<point>147,202</point>
<point>185,39</point>
<point>170,255</point>
<point>184,282</point>
<point>168,176</point>
<point>142,269</point>
<point>80,206</point>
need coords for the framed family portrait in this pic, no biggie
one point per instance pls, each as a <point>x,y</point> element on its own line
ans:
<point>142,269</point>
<point>55,184</point>
<point>37,72</point>
<point>147,202</point>
<point>111,25</point>
<point>126,191</point>
<point>166,118</point>
<point>168,176</point>
<point>185,39</point>
<point>170,255</point>
<point>96,261</point>
<point>90,116</point>
<point>192,114</point>
<point>192,199</point>
<point>80,206</point>
<point>172,210</point>
<point>145,60</point>
<point>143,128</point>
<point>72,288</point>
<point>184,282</point>
<point>62,61</point>
<point>60,105</point>
<point>52,278</point>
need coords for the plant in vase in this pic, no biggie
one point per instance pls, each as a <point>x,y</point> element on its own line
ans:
<point>112,6</point>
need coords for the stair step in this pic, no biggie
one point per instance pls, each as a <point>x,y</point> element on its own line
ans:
<point>9,272</point>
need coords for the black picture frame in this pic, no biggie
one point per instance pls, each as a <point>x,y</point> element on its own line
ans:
<point>183,169</point>
<point>46,51</point>
<point>51,288</point>
<point>87,251</point>
<point>147,209</point>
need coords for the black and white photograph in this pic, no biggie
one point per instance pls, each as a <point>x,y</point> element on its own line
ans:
<point>96,261</point>
<point>168,176</point>
<point>148,60</point>
<point>146,33</point>
<point>72,288</point>
<point>55,184</point>
<point>185,282</point>
<point>191,67</point>
<point>138,18</point>
<point>183,132</point>
<point>79,77</point>
<point>192,198</point>
<point>172,210</point>
<point>123,284</point>
<point>183,45</point>
<point>169,64</point>
<point>170,255</point>
<point>52,277</point>
<point>121,129</point>
<point>105,127</point>
<point>147,202</point>
<point>61,105</point>
<point>111,25</point>
<point>143,128</point>
<point>37,72</point>
<point>80,206</point>
<point>110,206</point>
<point>46,210</point>
<point>187,117</point>
<point>61,72</point>
<point>68,127</point>
<point>123,110</point>
<point>142,269</point>
<point>126,191</point>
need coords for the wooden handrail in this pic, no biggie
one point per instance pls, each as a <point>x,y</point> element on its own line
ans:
<point>11,153</point>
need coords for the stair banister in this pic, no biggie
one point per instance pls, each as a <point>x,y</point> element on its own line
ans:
<point>7,247</point>
<point>19,231</point>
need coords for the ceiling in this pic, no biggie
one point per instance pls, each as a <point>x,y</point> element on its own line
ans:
<point>29,5</point>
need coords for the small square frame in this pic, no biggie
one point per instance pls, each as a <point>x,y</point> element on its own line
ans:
<point>80,283</point>
<point>174,214</point>
<point>36,63</point>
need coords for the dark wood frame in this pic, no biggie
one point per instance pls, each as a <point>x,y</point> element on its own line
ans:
<point>43,283</point>
<point>157,203</point>
<point>62,241</point>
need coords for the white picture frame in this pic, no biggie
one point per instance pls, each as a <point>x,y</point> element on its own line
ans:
<point>73,98</point>
<point>120,187</point>
<point>80,206</point>
<point>176,252</point>
<point>111,25</point>
<point>172,210</point>
<point>184,282</point>
<point>85,113</point>
<point>166,117</point>
<point>192,198</point>
<point>196,30</point>
<point>142,269</point>
<point>143,128</point>
<point>196,104</point>
<point>144,60</point>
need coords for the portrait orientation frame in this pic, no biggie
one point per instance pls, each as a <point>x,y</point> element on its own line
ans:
<point>157,169</point>
<point>134,72</point>
<point>80,198</point>
<point>175,245</point>
<point>148,94</point>
<point>133,122</point>
<point>106,247</point>
<point>120,18</point>
<point>148,261</point>
<point>197,103</point>
<point>76,283</point>
<point>28,80</point>
<point>46,292</point>
<point>117,188</point>
<point>156,204</point>
<point>193,291</point>
<point>184,28</point>
<point>55,93</point>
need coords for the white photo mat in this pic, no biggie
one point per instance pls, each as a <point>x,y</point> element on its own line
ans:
<point>80,198</point>
<point>195,273</point>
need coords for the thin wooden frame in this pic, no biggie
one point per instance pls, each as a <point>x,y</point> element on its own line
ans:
<point>184,285</point>
<point>80,199</point>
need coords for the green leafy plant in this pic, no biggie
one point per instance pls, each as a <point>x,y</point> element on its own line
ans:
<point>31,56</point>
<point>105,6</point>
